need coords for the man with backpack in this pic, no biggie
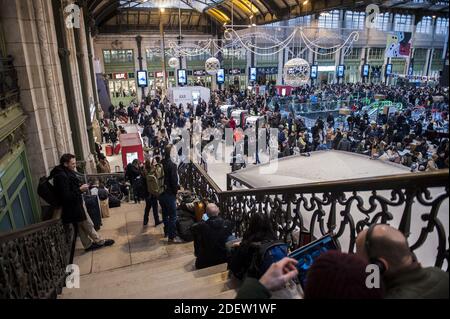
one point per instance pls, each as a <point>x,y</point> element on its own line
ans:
<point>168,199</point>
<point>154,182</point>
<point>210,238</point>
<point>68,194</point>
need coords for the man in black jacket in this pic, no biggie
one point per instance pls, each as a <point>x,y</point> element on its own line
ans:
<point>168,200</point>
<point>69,190</point>
<point>210,238</point>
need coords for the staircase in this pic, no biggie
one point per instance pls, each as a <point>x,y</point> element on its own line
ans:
<point>143,265</point>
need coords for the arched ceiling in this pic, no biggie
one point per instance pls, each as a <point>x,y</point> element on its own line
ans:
<point>209,16</point>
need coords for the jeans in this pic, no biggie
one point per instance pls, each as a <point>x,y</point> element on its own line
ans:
<point>169,211</point>
<point>151,202</point>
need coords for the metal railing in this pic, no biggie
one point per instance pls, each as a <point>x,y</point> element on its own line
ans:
<point>33,260</point>
<point>343,208</point>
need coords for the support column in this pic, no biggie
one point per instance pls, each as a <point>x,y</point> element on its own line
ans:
<point>64,54</point>
<point>78,34</point>
<point>140,58</point>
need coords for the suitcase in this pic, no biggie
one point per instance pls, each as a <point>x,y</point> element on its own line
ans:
<point>109,150</point>
<point>117,149</point>
<point>113,201</point>
<point>93,209</point>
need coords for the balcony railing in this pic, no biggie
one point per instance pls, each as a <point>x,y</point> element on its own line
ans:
<point>343,208</point>
<point>33,260</point>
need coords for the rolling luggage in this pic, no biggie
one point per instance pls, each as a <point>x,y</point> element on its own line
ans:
<point>93,209</point>
<point>113,201</point>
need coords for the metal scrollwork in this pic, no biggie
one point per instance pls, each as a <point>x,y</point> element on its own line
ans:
<point>343,210</point>
<point>33,261</point>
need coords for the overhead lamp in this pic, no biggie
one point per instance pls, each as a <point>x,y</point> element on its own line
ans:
<point>305,2</point>
<point>434,17</point>
<point>162,10</point>
<point>254,25</point>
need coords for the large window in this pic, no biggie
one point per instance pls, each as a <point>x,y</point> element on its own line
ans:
<point>353,54</point>
<point>329,19</point>
<point>305,20</point>
<point>118,56</point>
<point>441,25</point>
<point>383,21</point>
<point>376,53</point>
<point>403,22</point>
<point>298,52</point>
<point>325,55</point>
<point>420,54</point>
<point>425,25</point>
<point>270,58</point>
<point>355,20</point>
<point>18,208</point>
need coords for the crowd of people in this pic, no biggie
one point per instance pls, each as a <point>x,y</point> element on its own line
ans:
<point>415,136</point>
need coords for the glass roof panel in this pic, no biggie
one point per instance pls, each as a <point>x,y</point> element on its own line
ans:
<point>199,5</point>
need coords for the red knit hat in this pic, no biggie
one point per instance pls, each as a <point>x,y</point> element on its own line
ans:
<point>337,275</point>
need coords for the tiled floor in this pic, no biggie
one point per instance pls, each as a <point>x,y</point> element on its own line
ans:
<point>134,243</point>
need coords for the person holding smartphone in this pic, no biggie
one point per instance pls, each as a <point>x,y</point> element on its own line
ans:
<point>69,190</point>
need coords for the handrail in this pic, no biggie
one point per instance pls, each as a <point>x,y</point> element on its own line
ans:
<point>431,179</point>
<point>33,260</point>
<point>329,207</point>
<point>26,231</point>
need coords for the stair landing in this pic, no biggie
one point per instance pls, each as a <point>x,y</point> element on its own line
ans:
<point>141,264</point>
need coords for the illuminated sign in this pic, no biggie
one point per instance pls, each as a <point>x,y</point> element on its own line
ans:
<point>142,78</point>
<point>388,69</point>
<point>120,76</point>
<point>365,72</point>
<point>314,70</point>
<point>182,78</point>
<point>252,74</point>
<point>340,71</point>
<point>220,76</point>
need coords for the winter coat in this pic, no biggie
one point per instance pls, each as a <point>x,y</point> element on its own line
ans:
<point>67,188</point>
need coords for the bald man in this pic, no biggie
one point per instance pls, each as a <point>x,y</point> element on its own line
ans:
<point>210,238</point>
<point>402,274</point>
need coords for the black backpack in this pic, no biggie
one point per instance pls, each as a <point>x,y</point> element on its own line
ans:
<point>46,191</point>
<point>264,255</point>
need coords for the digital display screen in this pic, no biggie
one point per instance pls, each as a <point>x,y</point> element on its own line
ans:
<point>220,76</point>
<point>131,157</point>
<point>252,74</point>
<point>365,70</point>
<point>309,253</point>
<point>182,78</point>
<point>142,78</point>
<point>314,71</point>
<point>340,71</point>
<point>388,69</point>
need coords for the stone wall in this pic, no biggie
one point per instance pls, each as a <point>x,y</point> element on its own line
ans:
<point>31,39</point>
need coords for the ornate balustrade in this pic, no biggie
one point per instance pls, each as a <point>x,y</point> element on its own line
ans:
<point>410,202</point>
<point>194,178</point>
<point>33,260</point>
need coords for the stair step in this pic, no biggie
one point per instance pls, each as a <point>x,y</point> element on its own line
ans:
<point>190,273</point>
<point>187,287</point>
<point>229,294</point>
